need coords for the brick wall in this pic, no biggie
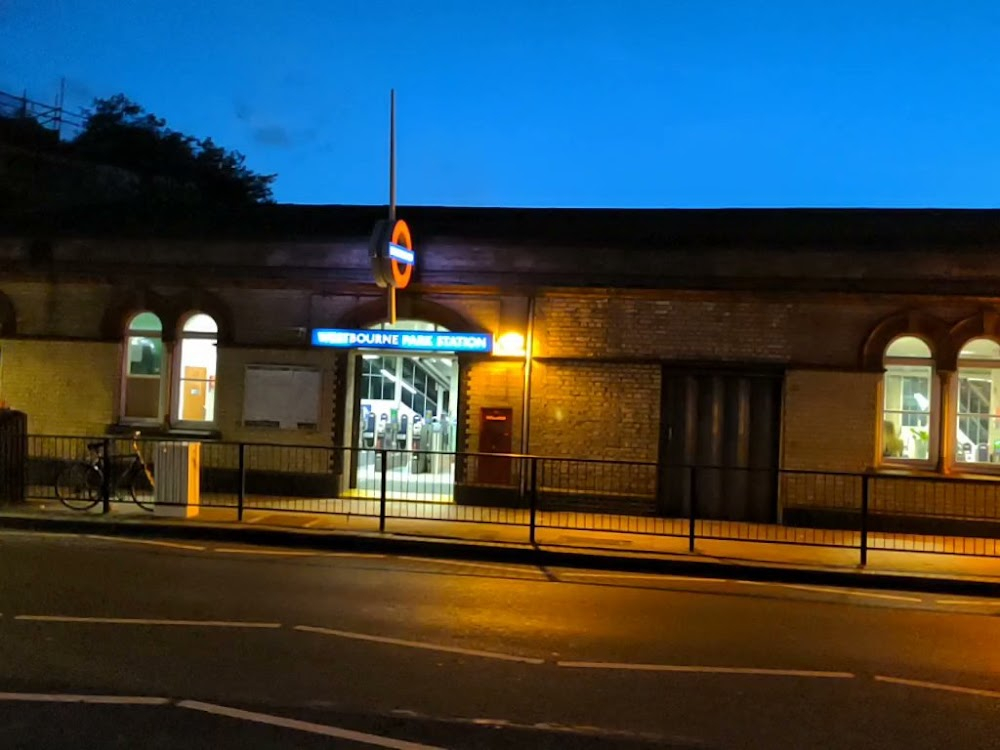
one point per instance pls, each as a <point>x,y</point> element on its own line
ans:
<point>595,410</point>
<point>828,424</point>
<point>66,388</point>
<point>492,384</point>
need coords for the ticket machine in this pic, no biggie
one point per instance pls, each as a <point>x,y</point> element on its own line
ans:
<point>419,463</point>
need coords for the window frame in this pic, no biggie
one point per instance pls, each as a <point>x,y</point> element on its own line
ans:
<point>126,344</point>
<point>933,410</point>
<point>973,363</point>
<point>177,374</point>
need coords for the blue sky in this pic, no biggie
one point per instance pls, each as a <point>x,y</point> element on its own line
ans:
<point>656,103</point>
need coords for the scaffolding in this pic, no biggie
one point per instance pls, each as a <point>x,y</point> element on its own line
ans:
<point>55,117</point>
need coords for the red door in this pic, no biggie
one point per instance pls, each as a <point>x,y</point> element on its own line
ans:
<point>495,436</point>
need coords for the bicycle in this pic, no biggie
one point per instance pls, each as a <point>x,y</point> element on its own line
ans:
<point>79,485</point>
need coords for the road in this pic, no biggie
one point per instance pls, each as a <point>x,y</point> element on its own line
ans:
<point>121,643</point>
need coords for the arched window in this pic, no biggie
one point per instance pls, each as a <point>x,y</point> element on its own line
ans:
<point>196,373</point>
<point>909,405</point>
<point>977,439</point>
<point>143,369</point>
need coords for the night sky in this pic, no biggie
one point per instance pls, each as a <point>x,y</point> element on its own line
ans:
<point>553,102</point>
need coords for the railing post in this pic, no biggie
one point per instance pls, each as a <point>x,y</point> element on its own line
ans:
<point>241,497</point>
<point>106,476</point>
<point>384,458</point>
<point>533,499</point>
<point>864,519</point>
<point>692,506</point>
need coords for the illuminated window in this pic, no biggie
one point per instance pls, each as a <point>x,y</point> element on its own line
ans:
<point>143,369</point>
<point>910,403</point>
<point>195,402</point>
<point>977,438</point>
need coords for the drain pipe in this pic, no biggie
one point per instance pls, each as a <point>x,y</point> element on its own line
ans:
<point>529,348</point>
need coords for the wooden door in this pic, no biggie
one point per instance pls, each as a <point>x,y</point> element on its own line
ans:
<point>194,385</point>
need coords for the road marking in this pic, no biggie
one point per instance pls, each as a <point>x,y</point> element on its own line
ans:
<point>258,519</point>
<point>418,644</point>
<point>833,590</point>
<point>705,670</point>
<point>938,686</point>
<point>126,540</point>
<point>305,726</point>
<point>143,621</point>
<point>313,522</point>
<point>125,700</point>
<point>970,602</point>
<point>279,552</point>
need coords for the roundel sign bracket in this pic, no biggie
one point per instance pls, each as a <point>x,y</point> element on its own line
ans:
<point>391,253</point>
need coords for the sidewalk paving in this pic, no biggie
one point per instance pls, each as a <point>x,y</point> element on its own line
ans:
<point>503,534</point>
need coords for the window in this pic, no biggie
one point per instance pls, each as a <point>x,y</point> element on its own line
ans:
<point>196,373</point>
<point>909,409</point>
<point>143,368</point>
<point>977,438</point>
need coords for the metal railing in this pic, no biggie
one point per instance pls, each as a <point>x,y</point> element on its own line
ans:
<point>418,490</point>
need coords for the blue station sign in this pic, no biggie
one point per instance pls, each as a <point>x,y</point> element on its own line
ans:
<point>421,341</point>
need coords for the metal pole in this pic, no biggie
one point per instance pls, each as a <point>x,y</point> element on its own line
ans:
<point>382,493</point>
<point>106,477</point>
<point>864,519</point>
<point>392,154</point>
<point>243,482</point>
<point>692,506</point>
<point>533,499</point>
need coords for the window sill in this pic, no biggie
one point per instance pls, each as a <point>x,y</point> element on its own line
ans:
<point>989,473</point>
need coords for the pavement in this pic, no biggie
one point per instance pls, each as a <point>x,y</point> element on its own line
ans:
<point>141,642</point>
<point>584,540</point>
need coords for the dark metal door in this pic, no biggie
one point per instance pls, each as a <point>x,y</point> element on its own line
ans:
<point>719,439</point>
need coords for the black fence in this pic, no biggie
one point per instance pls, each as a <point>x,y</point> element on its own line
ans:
<point>544,496</point>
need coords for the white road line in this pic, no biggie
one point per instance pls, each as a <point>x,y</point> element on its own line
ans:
<point>258,519</point>
<point>706,670</point>
<point>418,644</point>
<point>833,590</point>
<point>125,700</point>
<point>351,554</point>
<point>938,686</point>
<point>969,602</point>
<point>144,621</point>
<point>313,522</point>
<point>305,726</point>
<point>277,552</point>
<point>126,540</point>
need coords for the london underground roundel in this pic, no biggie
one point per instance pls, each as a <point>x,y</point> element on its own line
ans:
<point>391,253</point>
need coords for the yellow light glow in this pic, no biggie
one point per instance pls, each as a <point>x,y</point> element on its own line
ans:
<point>509,345</point>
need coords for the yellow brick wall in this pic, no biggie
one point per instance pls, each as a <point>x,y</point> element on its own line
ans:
<point>65,387</point>
<point>488,384</point>
<point>828,425</point>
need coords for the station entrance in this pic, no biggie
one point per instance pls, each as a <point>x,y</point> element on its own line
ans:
<point>405,405</point>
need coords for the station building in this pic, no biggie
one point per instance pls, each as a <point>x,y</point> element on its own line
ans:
<point>767,342</point>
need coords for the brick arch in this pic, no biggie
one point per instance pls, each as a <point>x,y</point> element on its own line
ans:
<point>983,325</point>
<point>909,323</point>
<point>8,316</point>
<point>195,301</point>
<point>408,307</point>
<point>128,302</point>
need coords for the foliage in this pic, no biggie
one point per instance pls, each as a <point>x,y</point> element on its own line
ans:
<point>121,133</point>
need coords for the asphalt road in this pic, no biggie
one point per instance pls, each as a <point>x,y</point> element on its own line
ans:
<point>127,643</point>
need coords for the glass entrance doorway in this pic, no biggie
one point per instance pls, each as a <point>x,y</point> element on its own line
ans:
<point>407,405</point>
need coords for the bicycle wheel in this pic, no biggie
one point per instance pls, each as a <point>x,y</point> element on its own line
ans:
<point>140,490</point>
<point>78,486</point>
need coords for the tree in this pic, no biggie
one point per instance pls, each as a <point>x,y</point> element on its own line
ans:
<point>172,166</point>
